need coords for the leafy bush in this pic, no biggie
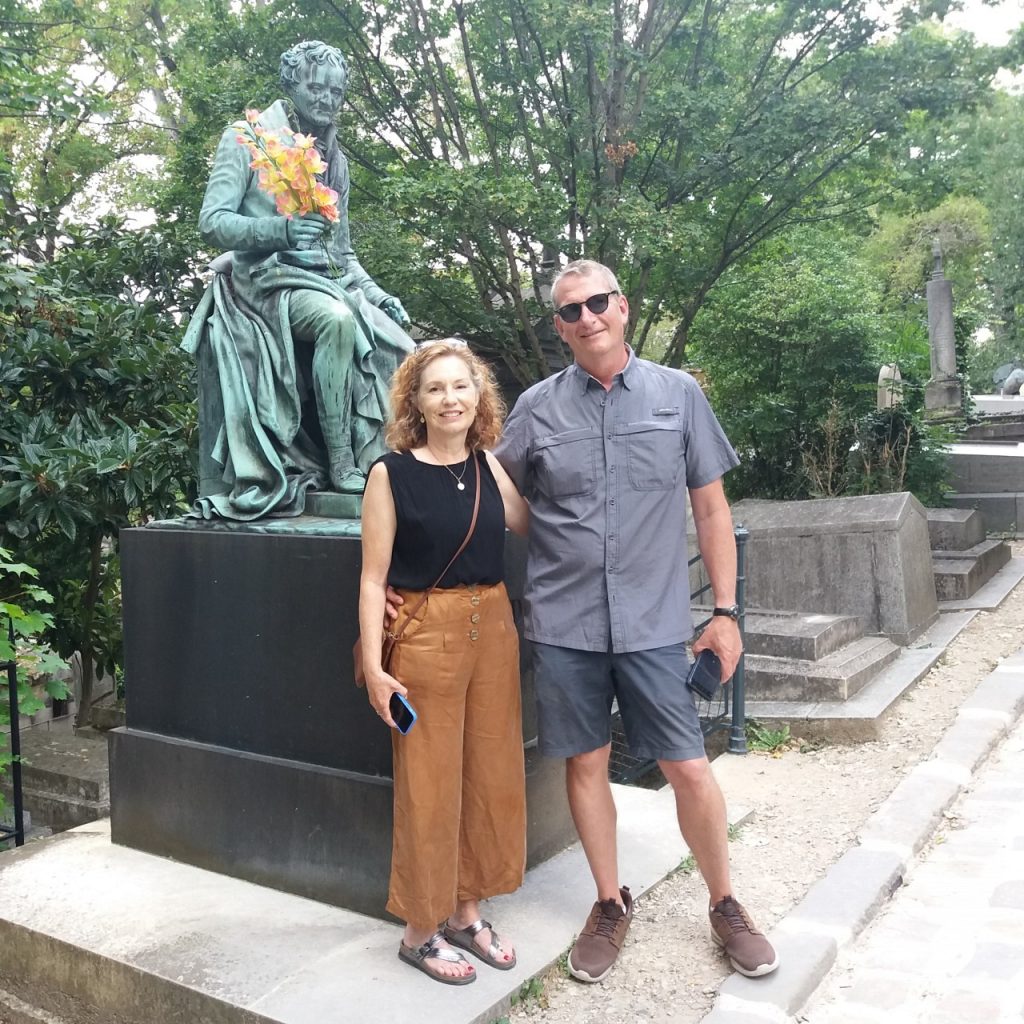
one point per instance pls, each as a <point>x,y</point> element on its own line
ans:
<point>780,340</point>
<point>21,616</point>
<point>98,419</point>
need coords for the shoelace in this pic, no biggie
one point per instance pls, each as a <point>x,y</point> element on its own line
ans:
<point>734,916</point>
<point>606,922</point>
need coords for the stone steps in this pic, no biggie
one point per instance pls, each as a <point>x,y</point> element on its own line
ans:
<point>963,558</point>
<point>837,676</point>
<point>804,636</point>
<point>64,776</point>
<point>959,574</point>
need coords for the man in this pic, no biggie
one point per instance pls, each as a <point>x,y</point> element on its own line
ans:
<point>605,452</point>
<point>296,314</point>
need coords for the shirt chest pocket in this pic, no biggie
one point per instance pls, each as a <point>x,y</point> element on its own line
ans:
<point>566,463</point>
<point>654,454</point>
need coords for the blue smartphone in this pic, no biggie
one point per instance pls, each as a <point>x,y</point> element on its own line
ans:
<point>705,675</point>
<point>402,713</point>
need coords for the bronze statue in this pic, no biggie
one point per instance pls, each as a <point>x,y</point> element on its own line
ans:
<point>295,325</point>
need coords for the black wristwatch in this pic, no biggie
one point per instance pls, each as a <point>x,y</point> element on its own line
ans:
<point>732,610</point>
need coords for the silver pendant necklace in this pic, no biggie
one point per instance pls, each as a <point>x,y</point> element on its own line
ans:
<point>458,479</point>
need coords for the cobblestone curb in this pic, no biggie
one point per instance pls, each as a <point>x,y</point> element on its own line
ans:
<point>840,905</point>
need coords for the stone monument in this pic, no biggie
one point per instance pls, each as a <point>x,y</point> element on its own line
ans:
<point>890,386</point>
<point>247,748</point>
<point>943,394</point>
<point>296,342</point>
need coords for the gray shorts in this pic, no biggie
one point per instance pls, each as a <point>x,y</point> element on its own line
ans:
<point>575,690</point>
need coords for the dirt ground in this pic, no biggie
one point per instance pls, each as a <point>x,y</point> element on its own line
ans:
<point>809,804</point>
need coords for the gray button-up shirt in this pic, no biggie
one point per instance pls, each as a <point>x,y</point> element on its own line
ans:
<point>606,474</point>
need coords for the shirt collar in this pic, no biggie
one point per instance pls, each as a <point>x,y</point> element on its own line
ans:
<point>627,373</point>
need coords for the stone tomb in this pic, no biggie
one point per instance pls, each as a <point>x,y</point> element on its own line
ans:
<point>248,750</point>
<point>865,556</point>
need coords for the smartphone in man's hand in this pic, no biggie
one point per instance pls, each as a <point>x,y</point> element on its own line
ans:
<point>705,675</point>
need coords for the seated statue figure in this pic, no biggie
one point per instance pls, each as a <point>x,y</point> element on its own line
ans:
<point>293,323</point>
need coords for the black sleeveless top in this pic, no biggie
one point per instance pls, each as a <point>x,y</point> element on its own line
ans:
<point>433,517</point>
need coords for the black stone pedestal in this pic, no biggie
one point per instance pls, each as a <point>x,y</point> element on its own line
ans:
<point>248,749</point>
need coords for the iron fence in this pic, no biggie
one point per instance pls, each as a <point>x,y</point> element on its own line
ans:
<point>727,712</point>
<point>17,832</point>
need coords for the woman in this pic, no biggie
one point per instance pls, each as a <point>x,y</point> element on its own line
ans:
<point>460,806</point>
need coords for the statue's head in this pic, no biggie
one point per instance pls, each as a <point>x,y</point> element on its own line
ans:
<point>314,75</point>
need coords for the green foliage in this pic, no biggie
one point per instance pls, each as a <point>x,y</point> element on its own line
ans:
<point>489,141</point>
<point>531,991</point>
<point>901,249</point>
<point>21,609</point>
<point>761,737</point>
<point>83,97</point>
<point>895,451</point>
<point>98,421</point>
<point>780,339</point>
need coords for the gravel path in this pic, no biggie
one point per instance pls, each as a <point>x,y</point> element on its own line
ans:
<point>809,806</point>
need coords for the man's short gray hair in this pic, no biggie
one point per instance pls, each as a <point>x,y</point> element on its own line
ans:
<point>312,51</point>
<point>584,268</point>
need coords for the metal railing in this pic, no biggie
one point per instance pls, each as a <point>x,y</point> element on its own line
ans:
<point>728,711</point>
<point>17,833</point>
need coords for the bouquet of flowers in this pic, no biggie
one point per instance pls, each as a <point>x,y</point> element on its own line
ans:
<point>287,165</point>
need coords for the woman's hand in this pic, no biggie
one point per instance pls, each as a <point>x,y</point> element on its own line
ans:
<point>379,687</point>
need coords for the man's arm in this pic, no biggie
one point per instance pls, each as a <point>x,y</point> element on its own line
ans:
<point>717,545</point>
<point>220,223</point>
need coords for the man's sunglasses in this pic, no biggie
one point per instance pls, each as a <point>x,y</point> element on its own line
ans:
<point>572,311</point>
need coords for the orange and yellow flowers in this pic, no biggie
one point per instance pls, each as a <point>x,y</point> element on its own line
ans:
<point>288,171</point>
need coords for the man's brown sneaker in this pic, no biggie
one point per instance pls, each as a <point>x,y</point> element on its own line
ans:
<point>598,945</point>
<point>748,950</point>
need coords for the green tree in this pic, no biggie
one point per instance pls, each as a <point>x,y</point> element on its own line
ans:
<point>98,421</point>
<point>782,340</point>
<point>84,93</point>
<point>670,140</point>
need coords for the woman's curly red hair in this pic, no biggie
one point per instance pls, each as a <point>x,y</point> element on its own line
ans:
<point>404,429</point>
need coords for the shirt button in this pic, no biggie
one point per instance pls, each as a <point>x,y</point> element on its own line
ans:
<point>475,617</point>
<point>474,600</point>
<point>474,634</point>
<point>609,436</point>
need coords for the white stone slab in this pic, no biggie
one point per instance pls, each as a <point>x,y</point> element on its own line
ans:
<point>178,929</point>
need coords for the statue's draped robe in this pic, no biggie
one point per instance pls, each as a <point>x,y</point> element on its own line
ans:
<point>268,460</point>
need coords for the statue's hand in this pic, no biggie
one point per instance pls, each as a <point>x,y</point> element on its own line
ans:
<point>395,310</point>
<point>306,231</point>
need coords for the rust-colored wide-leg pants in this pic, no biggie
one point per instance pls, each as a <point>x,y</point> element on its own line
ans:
<point>460,794</point>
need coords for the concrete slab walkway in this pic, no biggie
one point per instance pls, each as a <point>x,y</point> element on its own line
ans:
<point>949,947</point>
<point>840,906</point>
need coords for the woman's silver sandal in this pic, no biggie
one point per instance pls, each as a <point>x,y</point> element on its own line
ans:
<point>464,938</point>
<point>433,950</point>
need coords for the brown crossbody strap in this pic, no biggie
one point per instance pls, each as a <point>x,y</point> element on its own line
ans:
<point>395,637</point>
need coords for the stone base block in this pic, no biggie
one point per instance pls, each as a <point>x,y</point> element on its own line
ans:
<point>868,557</point>
<point>1002,513</point>
<point>987,467</point>
<point>312,831</point>
<point>954,529</point>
